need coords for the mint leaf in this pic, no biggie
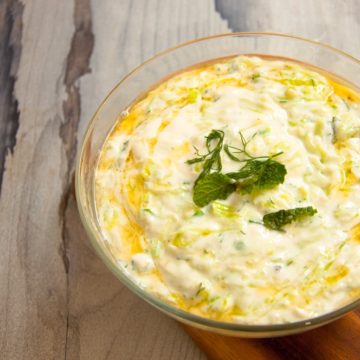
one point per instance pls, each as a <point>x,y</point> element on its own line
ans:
<point>259,174</point>
<point>212,187</point>
<point>276,220</point>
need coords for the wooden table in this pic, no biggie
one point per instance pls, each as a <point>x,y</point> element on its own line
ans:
<point>58,59</point>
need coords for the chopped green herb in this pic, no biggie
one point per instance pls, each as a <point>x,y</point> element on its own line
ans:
<point>270,204</point>
<point>239,245</point>
<point>342,244</point>
<point>200,289</point>
<point>212,187</point>
<point>333,127</point>
<point>149,211</point>
<point>124,145</point>
<point>278,219</point>
<point>283,100</point>
<point>255,222</point>
<point>263,132</point>
<point>328,265</point>
<point>255,76</point>
<point>198,213</point>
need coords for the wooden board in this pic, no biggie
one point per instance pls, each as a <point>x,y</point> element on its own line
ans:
<point>336,341</point>
<point>58,59</point>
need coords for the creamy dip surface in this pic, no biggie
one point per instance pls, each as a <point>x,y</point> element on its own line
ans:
<point>219,260</point>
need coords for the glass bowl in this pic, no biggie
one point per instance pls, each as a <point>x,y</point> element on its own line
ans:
<point>136,84</point>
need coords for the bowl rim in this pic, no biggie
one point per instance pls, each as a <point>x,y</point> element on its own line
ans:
<point>167,308</point>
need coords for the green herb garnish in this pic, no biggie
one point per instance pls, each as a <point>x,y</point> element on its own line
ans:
<point>198,213</point>
<point>149,211</point>
<point>260,172</point>
<point>201,288</point>
<point>278,219</point>
<point>124,146</point>
<point>212,187</point>
<point>231,150</point>
<point>283,100</point>
<point>239,245</point>
<point>333,127</point>
<point>255,76</point>
<point>212,160</point>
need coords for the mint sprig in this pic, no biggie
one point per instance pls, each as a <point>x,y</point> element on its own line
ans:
<point>258,173</point>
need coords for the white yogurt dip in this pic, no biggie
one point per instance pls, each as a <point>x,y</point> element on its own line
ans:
<point>219,260</point>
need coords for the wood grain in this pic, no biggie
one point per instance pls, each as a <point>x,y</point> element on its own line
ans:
<point>33,280</point>
<point>58,59</point>
<point>10,49</point>
<point>124,37</point>
<point>334,22</point>
<point>57,300</point>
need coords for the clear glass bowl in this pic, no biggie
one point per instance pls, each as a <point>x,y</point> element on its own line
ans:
<point>136,84</point>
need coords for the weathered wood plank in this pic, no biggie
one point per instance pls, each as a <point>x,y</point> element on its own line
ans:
<point>10,49</point>
<point>334,22</point>
<point>105,319</point>
<point>33,287</point>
